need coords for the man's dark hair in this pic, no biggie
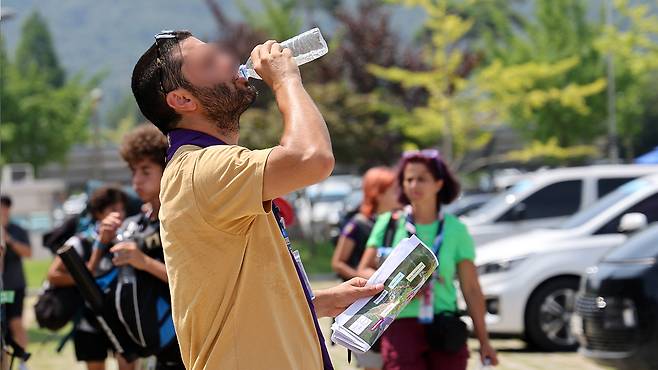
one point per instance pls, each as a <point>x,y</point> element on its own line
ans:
<point>146,80</point>
<point>5,200</point>
<point>144,142</point>
<point>105,197</point>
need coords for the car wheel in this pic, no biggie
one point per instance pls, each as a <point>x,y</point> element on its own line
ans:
<point>548,315</point>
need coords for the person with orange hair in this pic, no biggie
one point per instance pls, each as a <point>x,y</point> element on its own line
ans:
<point>380,193</point>
<point>379,196</point>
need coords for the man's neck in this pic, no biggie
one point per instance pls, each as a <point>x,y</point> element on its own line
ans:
<point>211,129</point>
<point>425,212</point>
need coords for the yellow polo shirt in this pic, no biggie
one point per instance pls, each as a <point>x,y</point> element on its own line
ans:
<point>237,302</point>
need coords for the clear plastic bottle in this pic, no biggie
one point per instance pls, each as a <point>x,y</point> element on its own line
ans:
<point>305,48</point>
<point>127,272</point>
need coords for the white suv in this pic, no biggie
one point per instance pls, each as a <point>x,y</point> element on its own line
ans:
<point>530,280</point>
<point>546,198</point>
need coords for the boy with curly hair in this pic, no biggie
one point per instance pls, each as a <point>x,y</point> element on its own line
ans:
<point>147,318</point>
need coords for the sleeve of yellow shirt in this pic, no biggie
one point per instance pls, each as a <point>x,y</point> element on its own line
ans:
<point>228,186</point>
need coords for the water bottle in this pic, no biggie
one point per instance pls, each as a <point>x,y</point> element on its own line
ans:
<point>305,48</point>
<point>127,272</point>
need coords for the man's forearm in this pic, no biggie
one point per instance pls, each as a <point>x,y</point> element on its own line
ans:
<point>320,303</point>
<point>304,128</point>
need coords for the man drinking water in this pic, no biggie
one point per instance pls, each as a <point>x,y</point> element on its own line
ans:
<point>239,299</point>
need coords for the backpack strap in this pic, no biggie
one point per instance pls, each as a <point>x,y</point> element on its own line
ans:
<point>391,228</point>
<point>76,319</point>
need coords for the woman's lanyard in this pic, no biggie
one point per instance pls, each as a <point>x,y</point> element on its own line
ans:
<point>426,311</point>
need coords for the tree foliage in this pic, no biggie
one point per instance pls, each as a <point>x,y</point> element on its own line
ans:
<point>631,42</point>
<point>469,95</point>
<point>43,114</point>
<point>37,52</point>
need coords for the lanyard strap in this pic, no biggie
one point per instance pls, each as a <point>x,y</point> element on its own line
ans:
<point>410,226</point>
<point>326,360</point>
<point>426,310</point>
<point>282,225</point>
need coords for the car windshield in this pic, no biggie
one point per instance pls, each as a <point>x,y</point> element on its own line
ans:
<point>604,203</point>
<point>329,191</point>
<point>502,201</point>
<point>329,197</point>
<point>642,245</point>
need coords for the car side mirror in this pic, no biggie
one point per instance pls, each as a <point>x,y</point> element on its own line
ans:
<point>631,222</point>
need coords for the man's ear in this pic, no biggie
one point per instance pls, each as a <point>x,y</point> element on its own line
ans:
<point>181,101</point>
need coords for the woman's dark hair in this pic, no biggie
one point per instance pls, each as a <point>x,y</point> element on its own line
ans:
<point>439,170</point>
<point>105,197</point>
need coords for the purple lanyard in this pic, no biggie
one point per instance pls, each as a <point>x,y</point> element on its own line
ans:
<point>180,137</point>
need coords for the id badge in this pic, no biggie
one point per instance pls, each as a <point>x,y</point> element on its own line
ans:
<point>426,312</point>
<point>305,281</point>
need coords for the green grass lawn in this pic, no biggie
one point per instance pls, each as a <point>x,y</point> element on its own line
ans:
<point>316,258</point>
<point>35,271</point>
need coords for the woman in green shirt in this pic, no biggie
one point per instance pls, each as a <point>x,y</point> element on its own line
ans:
<point>427,334</point>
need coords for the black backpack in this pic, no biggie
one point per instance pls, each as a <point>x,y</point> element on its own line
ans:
<point>140,301</point>
<point>56,306</point>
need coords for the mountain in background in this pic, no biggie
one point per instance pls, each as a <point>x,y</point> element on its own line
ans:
<point>109,36</point>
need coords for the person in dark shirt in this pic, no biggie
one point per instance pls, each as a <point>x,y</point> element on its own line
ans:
<point>17,247</point>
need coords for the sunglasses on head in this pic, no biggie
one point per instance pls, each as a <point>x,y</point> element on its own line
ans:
<point>161,38</point>
<point>425,153</point>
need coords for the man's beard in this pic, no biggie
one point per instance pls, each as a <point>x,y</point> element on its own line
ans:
<point>224,104</point>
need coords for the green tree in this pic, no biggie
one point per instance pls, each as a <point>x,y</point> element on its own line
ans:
<point>552,59</point>
<point>123,117</point>
<point>631,41</point>
<point>462,106</point>
<point>449,115</point>
<point>40,121</point>
<point>280,19</point>
<point>35,51</point>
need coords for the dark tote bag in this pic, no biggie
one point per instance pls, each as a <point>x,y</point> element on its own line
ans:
<point>447,333</point>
